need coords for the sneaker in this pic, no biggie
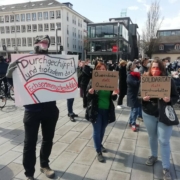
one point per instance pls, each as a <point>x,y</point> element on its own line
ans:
<point>100,157</point>
<point>72,118</point>
<point>167,175</point>
<point>103,149</point>
<point>151,161</point>
<point>133,127</point>
<point>119,107</point>
<point>30,178</point>
<point>75,115</point>
<point>140,119</point>
<point>48,172</point>
<point>137,125</point>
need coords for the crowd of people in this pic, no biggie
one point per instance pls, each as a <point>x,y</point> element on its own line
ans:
<point>100,109</point>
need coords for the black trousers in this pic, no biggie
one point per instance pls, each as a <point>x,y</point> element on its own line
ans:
<point>32,120</point>
<point>4,80</point>
<point>120,99</point>
<point>84,88</point>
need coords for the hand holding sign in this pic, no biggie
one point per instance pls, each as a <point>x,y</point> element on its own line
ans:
<point>115,92</point>
<point>146,98</point>
<point>91,91</point>
<point>166,99</point>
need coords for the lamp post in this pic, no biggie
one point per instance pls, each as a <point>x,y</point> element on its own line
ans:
<point>15,32</point>
<point>56,40</point>
<point>117,44</point>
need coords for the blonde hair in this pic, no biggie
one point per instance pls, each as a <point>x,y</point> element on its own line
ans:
<point>122,62</point>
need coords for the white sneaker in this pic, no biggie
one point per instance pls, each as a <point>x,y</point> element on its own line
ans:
<point>119,107</point>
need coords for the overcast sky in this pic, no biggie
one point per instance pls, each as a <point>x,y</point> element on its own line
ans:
<point>102,10</point>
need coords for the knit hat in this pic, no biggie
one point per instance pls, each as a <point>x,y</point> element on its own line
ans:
<point>129,65</point>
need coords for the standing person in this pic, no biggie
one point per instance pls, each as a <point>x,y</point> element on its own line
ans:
<point>133,84</point>
<point>100,112</point>
<point>144,67</point>
<point>86,76</point>
<point>122,82</point>
<point>158,130</point>
<point>71,114</point>
<point>44,114</point>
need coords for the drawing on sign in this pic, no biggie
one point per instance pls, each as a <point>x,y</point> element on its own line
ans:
<point>104,80</point>
<point>49,73</point>
<point>155,86</point>
<point>170,113</point>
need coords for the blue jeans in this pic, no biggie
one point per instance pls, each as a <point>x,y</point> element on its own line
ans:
<point>133,116</point>
<point>99,128</point>
<point>70,105</point>
<point>140,112</point>
<point>158,131</point>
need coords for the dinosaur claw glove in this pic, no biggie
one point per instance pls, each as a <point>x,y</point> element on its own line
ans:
<point>11,68</point>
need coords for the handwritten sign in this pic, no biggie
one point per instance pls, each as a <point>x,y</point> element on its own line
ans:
<point>43,78</point>
<point>155,86</point>
<point>105,80</point>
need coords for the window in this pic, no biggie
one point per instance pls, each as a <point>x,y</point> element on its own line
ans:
<point>67,16</point>
<point>46,27</point>
<point>40,27</point>
<point>177,47</point>
<point>59,40</point>
<point>79,34</point>
<point>52,40</point>
<point>52,26</point>
<point>12,29</point>
<point>22,17</point>
<point>23,41</point>
<point>28,17</point>
<point>3,42</point>
<point>18,41</point>
<point>23,28</point>
<point>2,30</point>
<point>13,41</point>
<point>6,18</point>
<point>67,41</point>
<point>17,17</point>
<point>67,29</point>
<point>17,28</point>
<point>34,16</point>
<point>34,27</point>
<point>1,19</point>
<point>28,28</point>
<point>74,19</point>
<point>8,42</point>
<point>7,29</point>
<point>161,47</point>
<point>39,15</point>
<point>12,18</point>
<point>52,14</point>
<point>45,15</point>
<point>75,32</point>
<point>58,14</point>
<point>58,25</point>
<point>29,40</point>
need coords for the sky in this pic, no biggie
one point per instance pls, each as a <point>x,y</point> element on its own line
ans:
<point>102,10</point>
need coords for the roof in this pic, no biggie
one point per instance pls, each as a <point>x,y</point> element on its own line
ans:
<point>29,5</point>
<point>169,30</point>
<point>169,39</point>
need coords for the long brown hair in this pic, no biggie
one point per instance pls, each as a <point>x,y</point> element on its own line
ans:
<point>161,67</point>
<point>99,66</point>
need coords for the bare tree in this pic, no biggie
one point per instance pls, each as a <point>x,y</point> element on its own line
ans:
<point>149,41</point>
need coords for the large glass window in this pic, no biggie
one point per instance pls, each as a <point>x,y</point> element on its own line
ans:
<point>167,33</point>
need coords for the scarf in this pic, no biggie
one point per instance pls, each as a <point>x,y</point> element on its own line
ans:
<point>136,74</point>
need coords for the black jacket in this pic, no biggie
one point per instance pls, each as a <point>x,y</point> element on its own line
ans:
<point>143,69</point>
<point>3,68</point>
<point>133,84</point>
<point>86,75</point>
<point>92,106</point>
<point>151,107</point>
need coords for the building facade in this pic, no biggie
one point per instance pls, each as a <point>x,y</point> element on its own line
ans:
<point>21,23</point>
<point>113,40</point>
<point>168,44</point>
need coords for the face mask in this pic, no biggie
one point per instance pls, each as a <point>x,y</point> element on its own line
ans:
<point>136,70</point>
<point>155,72</point>
<point>89,64</point>
<point>167,64</point>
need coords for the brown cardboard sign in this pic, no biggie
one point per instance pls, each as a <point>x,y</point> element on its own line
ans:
<point>155,86</point>
<point>105,80</point>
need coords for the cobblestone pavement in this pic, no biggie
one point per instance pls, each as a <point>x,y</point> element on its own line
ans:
<point>73,156</point>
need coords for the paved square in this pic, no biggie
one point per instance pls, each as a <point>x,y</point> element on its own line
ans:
<point>73,156</point>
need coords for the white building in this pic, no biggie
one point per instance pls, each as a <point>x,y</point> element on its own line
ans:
<point>21,23</point>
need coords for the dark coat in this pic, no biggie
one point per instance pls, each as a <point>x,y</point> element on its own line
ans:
<point>86,75</point>
<point>133,84</point>
<point>122,79</point>
<point>143,69</point>
<point>3,68</point>
<point>151,107</point>
<point>92,106</point>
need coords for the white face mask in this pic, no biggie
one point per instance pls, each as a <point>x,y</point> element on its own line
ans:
<point>167,64</point>
<point>136,70</point>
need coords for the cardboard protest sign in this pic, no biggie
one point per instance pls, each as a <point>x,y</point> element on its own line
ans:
<point>105,80</point>
<point>155,86</point>
<point>42,78</point>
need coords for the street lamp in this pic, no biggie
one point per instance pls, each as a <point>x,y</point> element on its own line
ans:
<point>117,42</point>
<point>15,31</point>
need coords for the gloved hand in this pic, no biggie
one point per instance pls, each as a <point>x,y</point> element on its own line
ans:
<point>11,68</point>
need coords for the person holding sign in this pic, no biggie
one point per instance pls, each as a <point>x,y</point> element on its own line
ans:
<point>156,129</point>
<point>100,111</point>
<point>133,84</point>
